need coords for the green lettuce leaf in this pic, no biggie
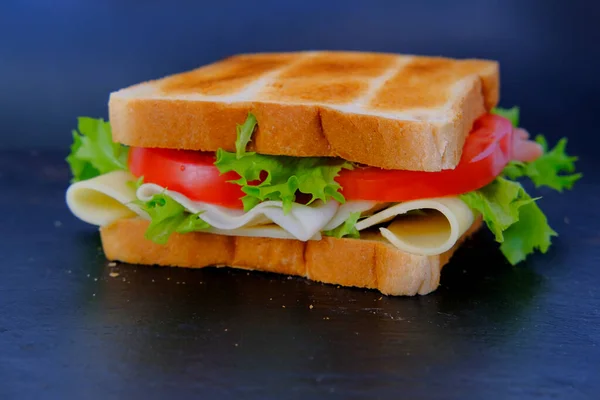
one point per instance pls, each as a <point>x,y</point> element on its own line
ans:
<point>93,152</point>
<point>168,216</point>
<point>244,134</point>
<point>554,169</point>
<point>512,114</point>
<point>348,228</point>
<point>283,178</point>
<point>513,217</point>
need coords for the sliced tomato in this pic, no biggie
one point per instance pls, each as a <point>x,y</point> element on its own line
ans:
<point>191,173</point>
<point>487,150</point>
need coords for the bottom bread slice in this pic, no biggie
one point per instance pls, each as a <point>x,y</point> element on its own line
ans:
<point>348,262</point>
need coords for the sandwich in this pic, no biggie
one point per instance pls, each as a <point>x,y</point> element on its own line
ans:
<point>348,168</point>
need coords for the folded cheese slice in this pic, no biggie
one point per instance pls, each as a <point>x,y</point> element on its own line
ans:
<point>103,199</point>
<point>432,232</point>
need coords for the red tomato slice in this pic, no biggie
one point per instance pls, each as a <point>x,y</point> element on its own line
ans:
<point>487,150</point>
<point>191,173</point>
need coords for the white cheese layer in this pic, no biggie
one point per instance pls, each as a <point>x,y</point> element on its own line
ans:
<point>107,198</point>
<point>429,234</point>
<point>103,199</point>
<point>302,222</point>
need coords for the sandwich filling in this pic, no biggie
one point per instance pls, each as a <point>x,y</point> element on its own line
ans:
<point>242,193</point>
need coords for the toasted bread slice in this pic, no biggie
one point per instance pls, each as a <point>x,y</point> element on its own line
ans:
<point>390,111</point>
<point>372,264</point>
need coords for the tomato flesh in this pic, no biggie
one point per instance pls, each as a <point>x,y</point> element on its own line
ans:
<point>487,150</point>
<point>191,173</point>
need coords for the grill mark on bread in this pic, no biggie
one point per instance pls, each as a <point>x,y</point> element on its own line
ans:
<point>338,91</point>
<point>224,77</point>
<point>253,91</point>
<point>335,65</point>
<point>378,82</point>
<point>422,83</point>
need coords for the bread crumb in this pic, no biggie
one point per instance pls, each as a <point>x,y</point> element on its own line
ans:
<point>112,264</point>
<point>289,278</point>
<point>57,224</point>
<point>152,280</point>
<point>235,344</point>
<point>225,329</point>
<point>95,279</point>
<point>325,317</point>
<point>311,307</point>
<point>113,274</point>
<point>270,298</point>
<point>381,298</point>
<point>282,306</point>
<point>183,283</point>
<point>94,294</point>
<point>567,221</point>
<point>169,279</point>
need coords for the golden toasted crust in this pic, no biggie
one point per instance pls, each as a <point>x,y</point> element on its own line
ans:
<point>370,264</point>
<point>390,111</point>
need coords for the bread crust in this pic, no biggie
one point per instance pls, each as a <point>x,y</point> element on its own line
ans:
<point>348,262</point>
<point>429,139</point>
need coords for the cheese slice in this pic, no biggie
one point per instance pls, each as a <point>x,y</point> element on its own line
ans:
<point>103,199</point>
<point>433,232</point>
<point>343,213</point>
<point>302,222</point>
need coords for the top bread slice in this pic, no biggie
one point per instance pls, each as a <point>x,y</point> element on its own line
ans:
<point>390,111</point>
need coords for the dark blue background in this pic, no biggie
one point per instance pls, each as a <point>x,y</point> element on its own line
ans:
<point>60,59</point>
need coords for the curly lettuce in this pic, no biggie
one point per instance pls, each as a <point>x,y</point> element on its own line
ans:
<point>512,215</point>
<point>554,169</point>
<point>347,228</point>
<point>93,152</point>
<point>279,178</point>
<point>514,218</point>
<point>167,217</point>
